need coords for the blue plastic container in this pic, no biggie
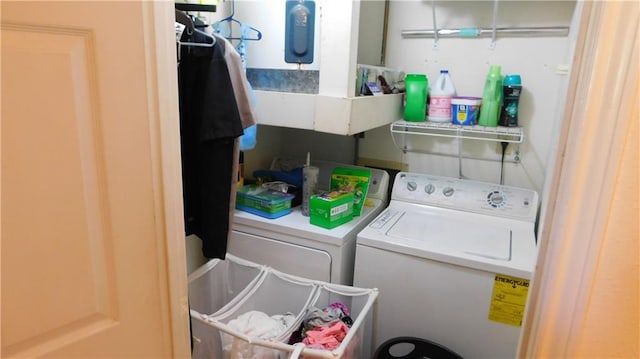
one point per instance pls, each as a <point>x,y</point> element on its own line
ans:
<point>465,110</point>
<point>263,202</point>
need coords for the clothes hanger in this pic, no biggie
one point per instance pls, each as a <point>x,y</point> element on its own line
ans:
<point>185,20</point>
<point>190,28</point>
<point>195,7</point>
<point>229,19</point>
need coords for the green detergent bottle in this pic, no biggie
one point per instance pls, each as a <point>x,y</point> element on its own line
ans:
<point>415,97</point>
<point>491,98</point>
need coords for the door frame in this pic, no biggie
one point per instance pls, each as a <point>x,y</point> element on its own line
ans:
<point>588,155</point>
<point>162,83</point>
<point>603,91</point>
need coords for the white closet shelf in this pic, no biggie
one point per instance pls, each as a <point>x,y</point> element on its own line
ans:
<point>441,129</point>
<point>325,113</point>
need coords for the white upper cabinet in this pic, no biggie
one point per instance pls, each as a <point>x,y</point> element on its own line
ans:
<point>346,33</point>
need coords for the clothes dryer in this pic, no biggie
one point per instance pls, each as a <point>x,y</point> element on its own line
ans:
<point>452,260</point>
<point>292,245</point>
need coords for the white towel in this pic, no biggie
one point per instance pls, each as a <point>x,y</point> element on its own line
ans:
<point>256,324</point>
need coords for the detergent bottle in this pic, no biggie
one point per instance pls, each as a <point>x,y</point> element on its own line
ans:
<point>441,94</point>
<point>415,97</point>
<point>511,91</point>
<point>491,98</point>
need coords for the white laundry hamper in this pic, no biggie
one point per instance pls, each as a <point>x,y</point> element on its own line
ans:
<point>276,293</point>
<point>213,288</point>
<point>357,343</point>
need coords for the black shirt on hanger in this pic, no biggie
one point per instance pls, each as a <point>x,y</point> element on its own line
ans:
<point>209,124</point>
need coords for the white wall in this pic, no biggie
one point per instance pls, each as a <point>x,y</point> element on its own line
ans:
<point>295,143</point>
<point>540,61</point>
<point>269,18</point>
<point>537,60</point>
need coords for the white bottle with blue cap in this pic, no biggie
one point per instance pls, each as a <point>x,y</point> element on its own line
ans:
<point>441,94</point>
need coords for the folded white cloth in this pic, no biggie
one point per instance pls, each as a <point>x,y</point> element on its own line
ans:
<point>256,324</point>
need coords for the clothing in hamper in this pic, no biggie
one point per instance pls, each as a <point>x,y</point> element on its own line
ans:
<point>327,337</point>
<point>325,328</point>
<point>321,317</point>
<point>340,306</point>
<point>256,324</point>
<point>209,126</point>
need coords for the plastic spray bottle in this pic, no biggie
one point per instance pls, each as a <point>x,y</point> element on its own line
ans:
<point>309,184</point>
<point>491,98</point>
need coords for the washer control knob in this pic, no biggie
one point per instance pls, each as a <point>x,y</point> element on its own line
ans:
<point>496,199</point>
<point>448,191</point>
<point>429,188</point>
<point>412,186</point>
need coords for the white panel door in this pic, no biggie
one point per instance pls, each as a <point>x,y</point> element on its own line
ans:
<point>93,259</point>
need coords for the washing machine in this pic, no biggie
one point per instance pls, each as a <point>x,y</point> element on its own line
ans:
<point>452,260</point>
<point>292,245</point>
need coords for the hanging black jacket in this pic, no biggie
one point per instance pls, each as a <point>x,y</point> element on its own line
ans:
<point>209,124</point>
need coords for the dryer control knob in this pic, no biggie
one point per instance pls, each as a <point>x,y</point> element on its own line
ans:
<point>429,188</point>
<point>412,186</point>
<point>448,191</point>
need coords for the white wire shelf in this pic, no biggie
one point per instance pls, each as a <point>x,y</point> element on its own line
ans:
<point>440,129</point>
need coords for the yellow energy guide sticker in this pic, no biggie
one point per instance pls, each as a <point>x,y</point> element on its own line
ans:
<point>508,299</point>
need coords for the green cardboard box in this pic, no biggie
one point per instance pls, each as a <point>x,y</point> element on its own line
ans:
<point>331,209</point>
<point>355,180</point>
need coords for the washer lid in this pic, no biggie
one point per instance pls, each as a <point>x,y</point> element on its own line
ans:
<point>452,237</point>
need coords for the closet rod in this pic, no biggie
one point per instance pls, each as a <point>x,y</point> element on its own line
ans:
<point>471,32</point>
<point>195,7</point>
